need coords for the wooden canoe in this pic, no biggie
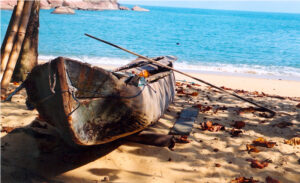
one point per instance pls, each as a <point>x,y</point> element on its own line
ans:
<point>89,105</point>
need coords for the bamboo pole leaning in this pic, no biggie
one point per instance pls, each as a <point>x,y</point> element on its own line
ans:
<point>17,47</point>
<point>272,113</point>
<point>29,53</point>
<point>10,35</point>
<point>7,34</point>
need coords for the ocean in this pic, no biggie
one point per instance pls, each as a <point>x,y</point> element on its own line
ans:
<point>216,41</point>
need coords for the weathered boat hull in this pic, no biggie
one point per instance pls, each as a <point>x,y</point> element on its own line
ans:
<point>90,105</point>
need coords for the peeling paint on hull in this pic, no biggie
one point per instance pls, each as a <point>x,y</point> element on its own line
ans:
<point>93,106</point>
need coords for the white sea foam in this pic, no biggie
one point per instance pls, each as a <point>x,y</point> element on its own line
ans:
<point>276,72</point>
<point>92,60</point>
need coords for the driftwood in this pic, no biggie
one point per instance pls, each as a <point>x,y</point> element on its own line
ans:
<point>17,47</point>
<point>10,35</point>
<point>184,124</point>
<point>29,53</point>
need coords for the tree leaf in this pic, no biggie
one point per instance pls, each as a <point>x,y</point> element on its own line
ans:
<point>293,141</point>
<point>239,124</point>
<point>263,142</point>
<point>244,180</point>
<point>203,108</point>
<point>194,94</point>
<point>210,126</point>
<point>252,148</point>
<point>258,164</point>
<point>7,129</point>
<point>271,180</point>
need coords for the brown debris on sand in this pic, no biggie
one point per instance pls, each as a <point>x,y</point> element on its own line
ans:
<point>208,154</point>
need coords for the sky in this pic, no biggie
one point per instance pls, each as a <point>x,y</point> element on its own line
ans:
<point>241,5</point>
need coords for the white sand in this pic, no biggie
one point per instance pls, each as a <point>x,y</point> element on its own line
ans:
<point>25,157</point>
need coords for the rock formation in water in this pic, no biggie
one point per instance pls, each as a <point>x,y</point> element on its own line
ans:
<point>137,8</point>
<point>74,4</point>
<point>63,10</point>
<point>123,8</point>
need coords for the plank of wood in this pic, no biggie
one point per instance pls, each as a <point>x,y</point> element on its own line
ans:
<point>184,124</point>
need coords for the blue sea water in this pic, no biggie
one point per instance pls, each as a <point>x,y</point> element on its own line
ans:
<point>254,43</point>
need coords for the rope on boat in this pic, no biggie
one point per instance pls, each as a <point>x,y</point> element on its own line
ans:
<point>112,96</point>
<point>74,97</point>
<point>143,84</point>
<point>78,102</point>
<point>72,90</point>
<point>52,86</point>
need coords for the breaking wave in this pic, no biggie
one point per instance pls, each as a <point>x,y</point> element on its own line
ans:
<point>275,72</point>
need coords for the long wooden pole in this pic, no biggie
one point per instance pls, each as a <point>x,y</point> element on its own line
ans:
<point>11,34</point>
<point>17,47</point>
<point>185,74</point>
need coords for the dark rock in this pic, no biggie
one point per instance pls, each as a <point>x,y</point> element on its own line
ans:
<point>55,3</point>
<point>123,8</point>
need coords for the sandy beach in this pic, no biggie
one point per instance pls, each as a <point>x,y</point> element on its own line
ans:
<point>32,151</point>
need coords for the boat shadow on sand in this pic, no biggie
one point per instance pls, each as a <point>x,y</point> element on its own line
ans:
<point>37,153</point>
<point>221,153</point>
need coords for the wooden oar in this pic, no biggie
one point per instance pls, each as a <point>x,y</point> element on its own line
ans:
<point>185,74</point>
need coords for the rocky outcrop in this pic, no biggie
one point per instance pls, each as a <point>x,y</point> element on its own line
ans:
<point>74,4</point>
<point>55,3</point>
<point>45,5</point>
<point>123,8</point>
<point>137,8</point>
<point>92,4</point>
<point>63,10</point>
<point>8,5</point>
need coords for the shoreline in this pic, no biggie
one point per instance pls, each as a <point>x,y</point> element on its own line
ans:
<point>286,88</point>
<point>218,73</point>
<point>244,75</point>
<point>251,71</point>
<point>271,86</point>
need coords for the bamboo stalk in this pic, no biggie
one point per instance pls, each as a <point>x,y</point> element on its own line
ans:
<point>185,74</point>
<point>10,35</point>
<point>29,53</point>
<point>17,47</point>
<point>8,31</point>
